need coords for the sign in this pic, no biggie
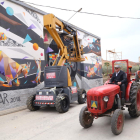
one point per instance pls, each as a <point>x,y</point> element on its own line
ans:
<point>94,104</point>
<point>74,90</point>
<point>50,75</point>
<point>43,97</point>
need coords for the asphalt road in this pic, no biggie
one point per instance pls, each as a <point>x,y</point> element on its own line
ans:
<point>47,124</point>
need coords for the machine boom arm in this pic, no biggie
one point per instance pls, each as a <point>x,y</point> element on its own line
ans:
<point>51,23</point>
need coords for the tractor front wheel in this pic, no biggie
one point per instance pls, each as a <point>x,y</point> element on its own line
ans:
<point>134,108</point>
<point>30,105</point>
<point>85,118</point>
<point>62,103</point>
<point>117,122</point>
<point>82,96</point>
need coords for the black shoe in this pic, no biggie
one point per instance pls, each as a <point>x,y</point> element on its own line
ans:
<point>122,108</point>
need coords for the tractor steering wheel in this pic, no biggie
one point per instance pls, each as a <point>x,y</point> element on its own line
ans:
<point>113,83</point>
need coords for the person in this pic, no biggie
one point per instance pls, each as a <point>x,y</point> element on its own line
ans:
<point>119,78</point>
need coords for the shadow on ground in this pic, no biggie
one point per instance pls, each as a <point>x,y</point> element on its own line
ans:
<point>53,109</point>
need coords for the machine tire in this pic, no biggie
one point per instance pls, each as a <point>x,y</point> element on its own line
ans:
<point>51,62</point>
<point>85,119</point>
<point>117,122</point>
<point>62,103</point>
<point>134,108</point>
<point>81,96</point>
<point>30,105</point>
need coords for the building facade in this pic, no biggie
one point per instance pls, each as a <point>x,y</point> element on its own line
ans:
<point>26,48</point>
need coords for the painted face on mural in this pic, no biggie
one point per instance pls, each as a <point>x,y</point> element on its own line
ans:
<point>26,69</point>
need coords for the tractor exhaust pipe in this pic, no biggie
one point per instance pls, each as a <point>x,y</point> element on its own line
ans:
<point>119,101</point>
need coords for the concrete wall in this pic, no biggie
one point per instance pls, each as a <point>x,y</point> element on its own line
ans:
<point>12,99</point>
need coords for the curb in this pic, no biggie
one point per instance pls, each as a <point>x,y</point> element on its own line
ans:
<point>12,110</point>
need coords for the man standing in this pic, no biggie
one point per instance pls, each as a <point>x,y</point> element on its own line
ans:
<point>119,77</point>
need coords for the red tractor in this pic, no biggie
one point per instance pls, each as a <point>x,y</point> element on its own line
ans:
<point>106,101</point>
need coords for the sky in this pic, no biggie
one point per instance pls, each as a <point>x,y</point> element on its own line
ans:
<point>120,34</point>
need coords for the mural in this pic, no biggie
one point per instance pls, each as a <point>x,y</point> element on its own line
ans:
<point>26,48</point>
<point>23,50</point>
<point>91,68</point>
<point>33,14</point>
<point>21,47</point>
<point>91,45</point>
<point>38,74</point>
<point>94,70</point>
<point>3,36</point>
<point>12,22</point>
<point>10,42</point>
<point>52,52</point>
<point>11,70</point>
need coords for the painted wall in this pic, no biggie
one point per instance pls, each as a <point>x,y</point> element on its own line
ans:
<point>25,48</point>
<point>16,99</point>
<point>21,54</point>
<point>90,70</point>
<point>87,74</point>
<point>21,47</point>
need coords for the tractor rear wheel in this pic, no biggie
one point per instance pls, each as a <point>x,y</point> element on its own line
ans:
<point>85,118</point>
<point>134,108</point>
<point>117,122</point>
<point>81,96</point>
<point>30,105</point>
<point>62,103</point>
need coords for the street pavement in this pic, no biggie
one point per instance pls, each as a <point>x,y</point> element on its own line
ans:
<point>48,124</point>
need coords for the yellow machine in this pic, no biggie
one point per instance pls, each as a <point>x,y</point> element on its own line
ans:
<point>52,23</point>
<point>58,90</point>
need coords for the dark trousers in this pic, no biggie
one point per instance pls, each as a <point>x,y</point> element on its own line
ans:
<point>123,89</point>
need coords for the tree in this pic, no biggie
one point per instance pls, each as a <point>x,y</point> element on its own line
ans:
<point>107,64</point>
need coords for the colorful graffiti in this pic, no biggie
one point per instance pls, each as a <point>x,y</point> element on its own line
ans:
<point>38,74</point>
<point>45,38</point>
<point>24,38</point>
<point>91,45</point>
<point>52,56</point>
<point>11,70</point>
<point>3,36</point>
<point>94,70</point>
<point>35,46</point>
<point>94,47</point>
<point>20,43</point>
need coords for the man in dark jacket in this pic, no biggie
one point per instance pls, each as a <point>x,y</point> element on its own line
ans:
<point>119,77</point>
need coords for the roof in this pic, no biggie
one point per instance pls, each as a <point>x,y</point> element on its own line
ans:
<point>44,13</point>
<point>28,6</point>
